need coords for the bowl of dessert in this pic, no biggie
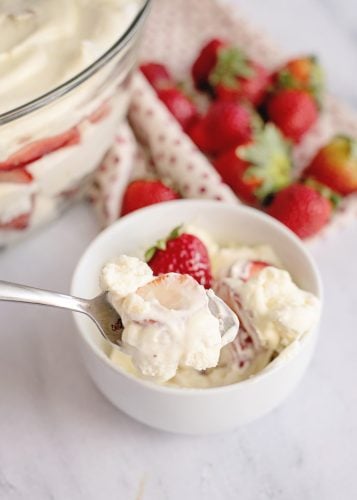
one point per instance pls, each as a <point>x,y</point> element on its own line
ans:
<point>219,307</point>
<point>65,70</point>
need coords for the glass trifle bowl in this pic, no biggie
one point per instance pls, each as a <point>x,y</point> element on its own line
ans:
<point>52,138</point>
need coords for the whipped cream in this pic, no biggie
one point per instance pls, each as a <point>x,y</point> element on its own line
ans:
<point>274,314</point>
<point>15,200</point>
<point>167,320</point>
<point>124,275</point>
<point>44,43</point>
<point>226,372</point>
<point>278,310</point>
<point>227,261</point>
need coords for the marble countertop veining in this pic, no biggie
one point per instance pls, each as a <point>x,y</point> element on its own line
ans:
<point>60,439</point>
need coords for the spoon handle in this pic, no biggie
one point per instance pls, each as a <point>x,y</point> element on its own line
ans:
<point>20,293</point>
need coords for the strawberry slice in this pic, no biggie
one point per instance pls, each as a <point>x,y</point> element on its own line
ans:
<point>18,223</point>
<point>18,176</point>
<point>37,149</point>
<point>100,113</point>
<point>255,266</point>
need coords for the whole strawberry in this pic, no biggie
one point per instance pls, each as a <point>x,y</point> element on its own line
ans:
<point>157,75</point>
<point>179,105</point>
<point>232,169</point>
<point>235,77</point>
<point>335,165</point>
<point>181,253</point>
<point>304,73</point>
<point>205,62</point>
<point>301,208</point>
<point>293,111</point>
<point>198,135</point>
<point>225,125</point>
<point>142,193</point>
<point>258,169</point>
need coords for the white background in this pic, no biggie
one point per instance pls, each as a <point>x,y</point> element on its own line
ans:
<point>59,437</point>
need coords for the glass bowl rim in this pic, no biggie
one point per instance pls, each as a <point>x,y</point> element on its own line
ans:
<point>75,81</point>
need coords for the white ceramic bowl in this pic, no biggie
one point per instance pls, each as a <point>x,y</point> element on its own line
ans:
<point>194,411</point>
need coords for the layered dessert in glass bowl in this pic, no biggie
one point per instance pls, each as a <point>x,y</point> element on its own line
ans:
<point>64,87</point>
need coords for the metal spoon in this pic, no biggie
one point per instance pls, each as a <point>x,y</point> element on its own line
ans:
<point>99,308</point>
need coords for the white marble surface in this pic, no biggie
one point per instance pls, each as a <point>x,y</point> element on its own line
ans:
<point>60,439</point>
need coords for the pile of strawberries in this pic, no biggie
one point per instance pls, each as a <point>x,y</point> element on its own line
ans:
<point>253,120</point>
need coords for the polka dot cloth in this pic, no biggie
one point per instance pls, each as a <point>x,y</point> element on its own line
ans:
<point>174,154</point>
<point>155,145</point>
<point>113,176</point>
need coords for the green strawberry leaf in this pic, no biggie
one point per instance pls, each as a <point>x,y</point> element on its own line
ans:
<point>231,63</point>
<point>175,233</point>
<point>270,159</point>
<point>286,80</point>
<point>161,244</point>
<point>149,254</point>
<point>317,81</point>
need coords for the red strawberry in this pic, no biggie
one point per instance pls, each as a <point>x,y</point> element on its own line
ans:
<point>232,169</point>
<point>252,89</point>
<point>227,124</point>
<point>301,208</point>
<point>19,223</point>
<point>179,105</point>
<point>181,253</point>
<point>235,77</point>
<point>258,169</point>
<point>35,150</point>
<point>142,193</point>
<point>304,73</point>
<point>19,176</point>
<point>198,135</point>
<point>293,111</point>
<point>157,74</point>
<point>205,62</point>
<point>335,165</point>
